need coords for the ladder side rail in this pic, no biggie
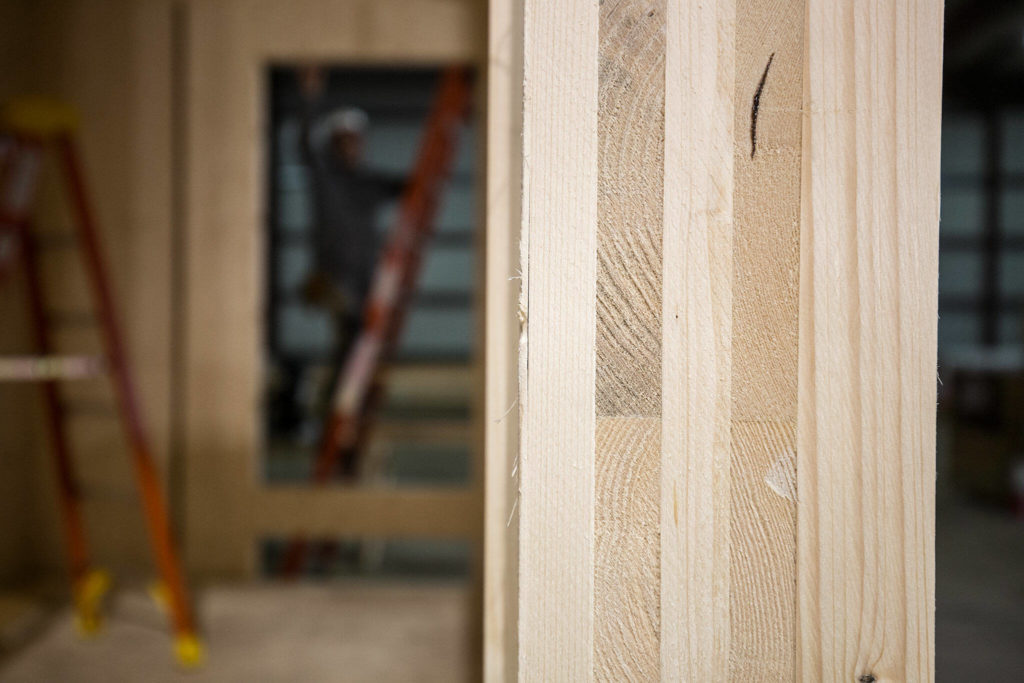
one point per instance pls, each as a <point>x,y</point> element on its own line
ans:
<point>154,505</point>
<point>69,492</point>
<point>445,151</point>
<point>399,271</point>
<point>392,287</point>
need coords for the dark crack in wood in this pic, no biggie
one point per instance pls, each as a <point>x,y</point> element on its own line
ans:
<point>756,106</point>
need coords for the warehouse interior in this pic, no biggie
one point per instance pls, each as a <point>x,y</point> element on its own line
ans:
<point>191,144</point>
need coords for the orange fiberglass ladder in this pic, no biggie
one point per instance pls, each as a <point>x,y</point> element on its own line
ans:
<point>26,129</point>
<point>358,390</point>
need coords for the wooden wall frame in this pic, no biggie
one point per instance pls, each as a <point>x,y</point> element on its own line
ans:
<point>227,46</point>
<point>724,467</point>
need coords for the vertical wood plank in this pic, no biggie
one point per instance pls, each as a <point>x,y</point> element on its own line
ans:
<point>867,352</point>
<point>626,549</point>
<point>630,128</point>
<point>791,388</point>
<point>503,279</point>
<point>918,64</point>
<point>697,330</point>
<point>768,99</point>
<point>630,163</point>
<point>556,522</point>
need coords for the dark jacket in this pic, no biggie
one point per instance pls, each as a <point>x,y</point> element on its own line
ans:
<point>345,203</point>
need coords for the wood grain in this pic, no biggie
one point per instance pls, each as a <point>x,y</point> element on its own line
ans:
<point>868,337</point>
<point>626,557</point>
<point>767,207</point>
<point>630,130</point>
<point>762,557</point>
<point>697,330</point>
<point>559,205</point>
<point>763,360</point>
<point>631,96</point>
<point>766,238</point>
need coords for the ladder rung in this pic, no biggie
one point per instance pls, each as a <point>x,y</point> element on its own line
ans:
<point>42,368</point>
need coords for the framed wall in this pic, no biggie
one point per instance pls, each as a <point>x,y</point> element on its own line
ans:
<point>226,49</point>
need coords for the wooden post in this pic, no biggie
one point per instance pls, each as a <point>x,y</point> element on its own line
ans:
<point>729,249</point>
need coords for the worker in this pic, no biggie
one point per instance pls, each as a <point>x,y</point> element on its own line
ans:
<point>346,197</point>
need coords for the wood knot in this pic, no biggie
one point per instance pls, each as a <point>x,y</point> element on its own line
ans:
<point>866,678</point>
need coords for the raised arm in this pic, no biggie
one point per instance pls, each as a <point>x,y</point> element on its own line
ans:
<point>312,82</point>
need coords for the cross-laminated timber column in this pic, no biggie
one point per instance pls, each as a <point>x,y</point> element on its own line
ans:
<point>727,369</point>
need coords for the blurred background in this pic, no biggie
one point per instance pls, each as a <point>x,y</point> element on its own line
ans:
<point>223,144</point>
<point>287,196</point>
<point>422,431</point>
<point>980,488</point>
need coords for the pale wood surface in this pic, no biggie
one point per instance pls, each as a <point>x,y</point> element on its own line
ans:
<point>559,228</point>
<point>626,552</point>
<point>630,138</point>
<point>869,267</point>
<point>697,335</point>
<point>760,240</point>
<point>766,238</point>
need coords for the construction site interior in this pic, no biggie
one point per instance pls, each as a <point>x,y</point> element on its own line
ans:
<point>242,262</point>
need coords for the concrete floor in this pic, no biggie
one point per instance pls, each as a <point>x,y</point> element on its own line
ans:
<point>351,631</point>
<point>388,632</point>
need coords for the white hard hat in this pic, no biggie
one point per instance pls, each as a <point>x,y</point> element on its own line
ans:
<point>347,120</point>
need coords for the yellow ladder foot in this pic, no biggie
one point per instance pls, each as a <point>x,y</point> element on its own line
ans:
<point>189,651</point>
<point>89,594</point>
